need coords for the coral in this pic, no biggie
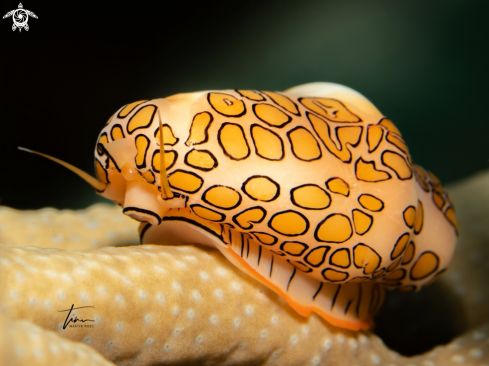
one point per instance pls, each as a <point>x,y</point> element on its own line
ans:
<point>166,304</point>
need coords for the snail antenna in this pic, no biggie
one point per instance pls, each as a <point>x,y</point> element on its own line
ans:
<point>94,182</point>
<point>166,192</point>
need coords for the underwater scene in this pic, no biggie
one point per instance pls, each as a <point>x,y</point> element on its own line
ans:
<point>252,183</point>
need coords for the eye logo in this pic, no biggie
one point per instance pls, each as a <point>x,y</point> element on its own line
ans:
<point>20,17</point>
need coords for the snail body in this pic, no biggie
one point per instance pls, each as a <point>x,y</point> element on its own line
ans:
<point>311,191</point>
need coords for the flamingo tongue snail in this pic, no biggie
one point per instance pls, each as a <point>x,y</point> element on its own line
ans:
<point>311,191</point>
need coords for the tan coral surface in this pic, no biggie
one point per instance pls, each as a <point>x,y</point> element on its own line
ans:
<point>167,305</point>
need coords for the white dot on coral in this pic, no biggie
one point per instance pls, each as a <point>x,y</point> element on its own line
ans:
<point>190,314</point>
<point>478,335</point>
<point>110,343</point>
<point>218,293</point>
<point>327,344</point>
<point>428,363</point>
<point>199,339</point>
<point>276,354</point>
<point>316,361</point>
<point>102,291</point>
<point>375,358</point>
<point>263,333</point>
<point>214,319</point>
<point>166,348</point>
<point>38,353</point>
<point>20,277</point>
<point>305,329</point>
<point>87,340</point>
<point>274,320</point>
<point>119,326</point>
<point>242,346</point>
<point>66,277</point>
<point>353,343</point>
<point>476,353</point>
<point>363,339</point>
<point>204,275</point>
<point>47,304</point>
<point>54,348</point>
<point>149,341</point>
<point>294,339</point>
<point>249,310</point>
<point>84,296</point>
<point>340,338</point>
<point>236,286</point>
<point>147,318</point>
<point>180,264</point>
<point>14,294</point>
<point>177,331</point>
<point>160,297</point>
<point>176,286</point>
<point>32,301</point>
<point>221,271</point>
<point>458,358</point>
<point>175,310</point>
<point>236,322</point>
<point>92,225</point>
<point>142,294</point>
<point>196,295</point>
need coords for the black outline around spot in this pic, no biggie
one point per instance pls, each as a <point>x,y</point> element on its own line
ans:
<point>206,131</point>
<point>112,130</point>
<point>271,105</point>
<point>366,214</point>
<point>269,224</point>
<point>430,273</point>
<point>371,162</point>
<point>369,247</point>
<point>219,186</point>
<point>292,144</point>
<point>329,136</point>
<point>333,178</point>
<point>378,199</point>
<point>195,223</point>
<point>128,113</point>
<point>164,142</point>
<point>222,146</point>
<point>298,113</point>
<point>188,172</point>
<point>291,263</point>
<point>380,140</point>
<point>334,270</point>
<point>199,167</point>
<point>420,204</point>
<point>395,171</point>
<point>143,211</point>
<point>256,147</point>
<point>254,91</point>
<point>297,242</point>
<point>147,225</point>
<point>414,253</point>
<point>152,174</point>
<point>157,152</point>
<point>235,217</point>
<point>275,239</point>
<point>223,216</point>
<point>396,279</point>
<point>327,247</point>
<point>397,243</point>
<point>100,144</point>
<point>105,171</point>
<point>404,216</point>
<point>292,199</point>
<point>337,128</point>
<point>142,166</point>
<point>145,126</point>
<point>261,176</point>
<point>339,250</point>
<point>233,97</point>
<point>314,99</point>
<point>324,220</point>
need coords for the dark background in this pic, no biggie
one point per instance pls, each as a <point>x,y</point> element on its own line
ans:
<point>423,63</point>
